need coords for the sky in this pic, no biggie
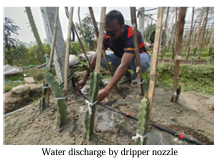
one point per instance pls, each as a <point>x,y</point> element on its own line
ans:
<point>25,35</point>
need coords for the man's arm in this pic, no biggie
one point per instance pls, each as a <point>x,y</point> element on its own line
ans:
<point>125,62</point>
<point>82,82</point>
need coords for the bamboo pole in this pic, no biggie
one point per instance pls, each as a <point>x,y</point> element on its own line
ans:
<point>36,34</point>
<point>103,51</point>
<point>94,21</point>
<point>164,32</point>
<point>199,28</point>
<point>175,35</point>
<point>208,37</point>
<point>136,45</point>
<point>181,21</point>
<point>80,42</point>
<point>197,36</point>
<point>51,54</point>
<point>153,70</point>
<point>90,117</point>
<point>170,29</point>
<point>81,28</point>
<point>54,38</point>
<point>189,38</point>
<point>67,52</point>
<point>203,33</point>
<point>211,46</point>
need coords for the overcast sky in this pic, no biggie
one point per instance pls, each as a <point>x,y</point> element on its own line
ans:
<point>25,34</point>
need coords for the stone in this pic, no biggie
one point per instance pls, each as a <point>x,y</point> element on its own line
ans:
<point>20,91</point>
<point>29,80</point>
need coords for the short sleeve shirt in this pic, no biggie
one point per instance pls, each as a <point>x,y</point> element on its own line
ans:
<point>125,44</point>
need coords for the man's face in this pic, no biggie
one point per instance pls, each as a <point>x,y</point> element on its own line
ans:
<point>114,30</point>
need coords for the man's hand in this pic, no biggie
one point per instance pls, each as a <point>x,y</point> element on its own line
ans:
<point>102,94</point>
<point>80,84</point>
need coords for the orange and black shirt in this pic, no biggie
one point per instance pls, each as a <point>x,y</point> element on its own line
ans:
<point>125,44</point>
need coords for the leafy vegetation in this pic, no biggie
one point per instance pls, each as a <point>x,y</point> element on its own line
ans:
<point>89,31</point>
<point>198,78</point>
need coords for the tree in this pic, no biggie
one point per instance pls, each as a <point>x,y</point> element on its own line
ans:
<point>10,30</point>
<point>89,31</point>
<point>151,31</point>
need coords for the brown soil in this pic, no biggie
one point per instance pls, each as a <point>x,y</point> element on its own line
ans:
<point>192,116</point>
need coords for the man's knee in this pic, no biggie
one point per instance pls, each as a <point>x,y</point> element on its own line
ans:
<point>144,62</point>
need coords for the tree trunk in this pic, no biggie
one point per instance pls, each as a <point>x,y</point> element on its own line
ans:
<point>180,30</point>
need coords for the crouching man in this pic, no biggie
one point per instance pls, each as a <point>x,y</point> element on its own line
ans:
<point>119,38</point>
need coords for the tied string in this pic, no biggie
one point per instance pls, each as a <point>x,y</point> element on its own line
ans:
<point>60,98</point>
<point>45,87</point>
<point>141,137</point>
<point>141,82</point>
<point>89,105</point>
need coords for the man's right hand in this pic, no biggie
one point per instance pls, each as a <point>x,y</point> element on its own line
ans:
<point>80,84</point>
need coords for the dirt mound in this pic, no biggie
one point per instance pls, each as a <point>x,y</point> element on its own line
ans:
<point>20,96</point>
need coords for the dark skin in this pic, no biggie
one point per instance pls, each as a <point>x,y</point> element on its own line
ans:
<point>113,26</point>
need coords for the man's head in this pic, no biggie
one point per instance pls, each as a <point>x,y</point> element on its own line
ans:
<point>114,23</point>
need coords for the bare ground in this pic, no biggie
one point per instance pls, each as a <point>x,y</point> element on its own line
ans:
<point>192,116</point>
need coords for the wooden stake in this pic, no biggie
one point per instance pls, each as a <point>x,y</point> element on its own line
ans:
<point>48,91</point>
<point>36,34</point>
<point>136,45</point>
<point>153,70</point>
<point>80,42</point>
<point>90,118</point>
<point>199,28</point>
<point>175,36</point>
<point>54,38</point>
<point>170,29</point>
<point>203,33</point>
<point>94,21</point>
<point>103,52</point>
<point>180,31</point>
<point>81,28</point>
<point>164,33</point>
<point>67,52</point>
<point>189,38</point>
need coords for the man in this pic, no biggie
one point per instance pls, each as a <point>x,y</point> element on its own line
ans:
<point>119,38</point>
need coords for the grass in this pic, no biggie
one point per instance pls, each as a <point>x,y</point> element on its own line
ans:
<point>37,74</point>
<point>204,54</point>
<point>198,78</point>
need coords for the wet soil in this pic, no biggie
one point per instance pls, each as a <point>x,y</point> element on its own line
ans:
<point>192,116</point>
